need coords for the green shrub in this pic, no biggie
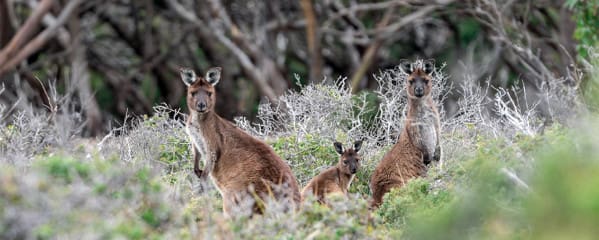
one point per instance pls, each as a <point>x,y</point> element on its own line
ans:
<point>586,16</point>
<point>73,197</point>
<point>415,200</point>
<point>65,168</point>
<point>307,156</point>
<point>565,202</point>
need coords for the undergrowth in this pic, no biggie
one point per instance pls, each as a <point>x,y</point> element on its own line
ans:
<point>499,179</point>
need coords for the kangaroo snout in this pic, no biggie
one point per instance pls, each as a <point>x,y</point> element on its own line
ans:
<point>202,107</point>
<point>419,91</point>
<point>353,170</point>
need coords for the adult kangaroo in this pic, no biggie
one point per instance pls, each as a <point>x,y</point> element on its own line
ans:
<point>418,143</point>
<point>245,170</point>
<point>336,179</point>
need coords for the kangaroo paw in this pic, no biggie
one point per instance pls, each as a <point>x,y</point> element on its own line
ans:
<point>203,175</point>
<point>426,159</point>
<point>198,172</point>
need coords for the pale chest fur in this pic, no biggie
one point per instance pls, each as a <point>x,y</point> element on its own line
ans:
<point>200,142</point>
<point>422,128</point>
<point>346,187</point>
<point>344,183</point>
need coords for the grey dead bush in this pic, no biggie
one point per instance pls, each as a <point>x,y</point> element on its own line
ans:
<point>30,132</point>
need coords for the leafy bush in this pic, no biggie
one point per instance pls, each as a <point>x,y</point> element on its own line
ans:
<point>63,197</point>
<point>586,16</point>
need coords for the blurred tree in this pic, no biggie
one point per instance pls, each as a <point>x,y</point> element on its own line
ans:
<point>120,57</point>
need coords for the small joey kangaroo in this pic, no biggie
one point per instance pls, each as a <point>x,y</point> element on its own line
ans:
<point>336,179</point>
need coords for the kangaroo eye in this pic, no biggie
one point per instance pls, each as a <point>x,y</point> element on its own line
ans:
<point>345,162</point>
<point>209,94</point>
<point>411,82</point>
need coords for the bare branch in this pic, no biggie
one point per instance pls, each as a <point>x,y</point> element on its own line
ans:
<point>313,38</point>
<point>25,31</point>
<point>512,176</point>
<point>237,45</point>
<point>40,39</point>
<point>370,54</point>
<point>63,35</point>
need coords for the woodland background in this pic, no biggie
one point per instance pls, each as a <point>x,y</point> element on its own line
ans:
<point>118,58</point>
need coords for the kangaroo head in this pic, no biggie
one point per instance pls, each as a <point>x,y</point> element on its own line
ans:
<point>349,160</point>
<point>419,80</point>
<point>200,90</point>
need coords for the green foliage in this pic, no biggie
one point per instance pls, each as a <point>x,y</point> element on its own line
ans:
<point>565,203</point>
<point>306,156</point>
<point>297,68</point>
<point>313,154</point>
<point>415,200</point>
<point>591,87</point>
<point>103,94</point>
<point>484,202</point>
<point>150,89</point>
<point>340,221</point>
<point>65,168</point>
<point>468,30</point>
<point>76,196</point>
<point>586,15</point>
<point>175,150</point>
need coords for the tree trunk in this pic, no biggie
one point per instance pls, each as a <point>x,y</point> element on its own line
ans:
<point>80,76</point>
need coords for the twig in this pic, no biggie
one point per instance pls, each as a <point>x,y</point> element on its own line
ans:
<point>370,53</point>
<point>313,38</point>
<point>244,59</point>
<point>25,31</point>
<point>41,39</point>
<point>511,175</point>
<point>63,35</point>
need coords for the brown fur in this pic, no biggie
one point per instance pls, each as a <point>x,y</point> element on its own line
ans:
<point>336,179</point>
<point>240,165</point>
<point>417,145</point>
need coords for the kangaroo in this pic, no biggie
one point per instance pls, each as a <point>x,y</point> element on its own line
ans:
<point>418,143</point>
<point>241,167</point>
<point>336,179</point>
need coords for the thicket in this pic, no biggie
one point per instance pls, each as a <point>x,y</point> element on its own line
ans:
<point>507,171</point>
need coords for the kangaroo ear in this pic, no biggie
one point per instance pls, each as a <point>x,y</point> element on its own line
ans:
<point>213,75</point>
<point>338,147</point>
<point>428,66</point>
<point>357,145</point>
<point>188,76</point>
<point>406,66</point>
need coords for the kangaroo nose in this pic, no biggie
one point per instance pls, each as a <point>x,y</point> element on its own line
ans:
<point>419,91</point>
<point>353,170</point>
<point>201,106</point>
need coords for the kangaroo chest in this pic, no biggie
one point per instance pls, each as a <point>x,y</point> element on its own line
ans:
<point>199,140</point>
<point>422,129</point>
<point>343,185</point>
<point>346,187</point>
